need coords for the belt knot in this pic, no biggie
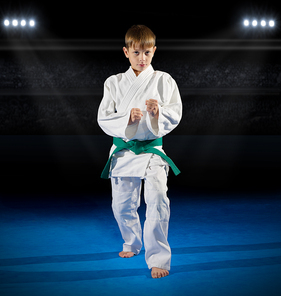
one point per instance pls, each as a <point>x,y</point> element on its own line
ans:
<point>138,147</point>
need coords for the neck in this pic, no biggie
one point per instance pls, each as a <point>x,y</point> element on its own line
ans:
<point>136,72</point>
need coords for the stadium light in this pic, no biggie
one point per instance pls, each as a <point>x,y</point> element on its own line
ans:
<point>254,23</point>
<point>15,23</point>
<point>246,23</point>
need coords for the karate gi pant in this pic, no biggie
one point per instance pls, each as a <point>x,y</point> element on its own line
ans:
<point>125,203</point>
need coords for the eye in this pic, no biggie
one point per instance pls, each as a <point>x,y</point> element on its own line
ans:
<point>147,53</point>
<point>136,52</point>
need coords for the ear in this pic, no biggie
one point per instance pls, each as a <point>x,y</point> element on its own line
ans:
<point>126,52</point>
<point>154,48</point>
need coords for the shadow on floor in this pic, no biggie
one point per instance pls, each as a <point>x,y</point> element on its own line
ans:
<point>11,277</point>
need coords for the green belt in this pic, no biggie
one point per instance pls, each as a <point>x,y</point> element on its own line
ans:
<point>138,147</point>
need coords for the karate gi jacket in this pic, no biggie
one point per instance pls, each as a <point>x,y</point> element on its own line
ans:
<point>125,91</point>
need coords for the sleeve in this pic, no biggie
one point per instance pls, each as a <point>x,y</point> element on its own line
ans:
<point>170,109</point>
<point>112,123</point>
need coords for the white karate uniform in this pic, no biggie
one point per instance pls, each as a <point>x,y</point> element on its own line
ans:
<point>122,92</point>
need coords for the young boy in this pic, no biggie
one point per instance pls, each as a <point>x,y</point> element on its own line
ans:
<point>138,108</point>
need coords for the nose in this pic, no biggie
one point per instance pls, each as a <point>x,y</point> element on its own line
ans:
<point>142,57</point>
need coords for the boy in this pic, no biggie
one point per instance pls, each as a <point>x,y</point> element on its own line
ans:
<point>138,108</point>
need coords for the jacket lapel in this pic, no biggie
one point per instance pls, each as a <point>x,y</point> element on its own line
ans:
<point>137,83</point>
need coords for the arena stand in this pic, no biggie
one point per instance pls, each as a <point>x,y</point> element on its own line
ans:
<point>48,92</point>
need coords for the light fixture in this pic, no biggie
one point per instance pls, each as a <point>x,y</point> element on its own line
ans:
<point>246,23</point>
<point>255,22</point>
<point>15,23</point>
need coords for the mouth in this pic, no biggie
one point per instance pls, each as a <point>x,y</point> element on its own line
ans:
<point>142,65</point>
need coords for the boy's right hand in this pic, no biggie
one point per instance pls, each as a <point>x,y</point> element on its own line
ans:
<point>136,115</point>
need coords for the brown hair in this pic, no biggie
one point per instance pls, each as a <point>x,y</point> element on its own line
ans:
<point>140,34</point>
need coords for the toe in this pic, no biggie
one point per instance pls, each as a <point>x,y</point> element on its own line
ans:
<point>159,273</point>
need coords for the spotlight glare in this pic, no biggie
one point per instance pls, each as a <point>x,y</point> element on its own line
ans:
<point>6,23</point>
<point>15,23</point>
<point>263,23</point>
<point>23,23</point>
<point>271,23</point>
<point>246,23</point>
<point>31,23</point>
<point>254,23</point>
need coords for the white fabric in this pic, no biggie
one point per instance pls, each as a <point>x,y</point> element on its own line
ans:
<point>122,92</point>
<point>125,202</point>
<point>125,91</point>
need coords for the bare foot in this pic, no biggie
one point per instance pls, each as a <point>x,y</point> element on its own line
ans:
<point>126,254</point>
<point>157,273</point>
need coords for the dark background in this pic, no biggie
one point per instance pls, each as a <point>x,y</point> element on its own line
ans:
<point>52,78</point>
<point>171,20</point>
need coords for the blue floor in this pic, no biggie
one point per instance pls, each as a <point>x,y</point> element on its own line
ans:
<point>222,244</point>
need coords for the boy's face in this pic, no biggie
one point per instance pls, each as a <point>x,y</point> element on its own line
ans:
<point>140,58</point>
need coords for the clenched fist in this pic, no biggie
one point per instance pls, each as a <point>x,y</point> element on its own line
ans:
<point>136,115</point>
<point>152,108</point>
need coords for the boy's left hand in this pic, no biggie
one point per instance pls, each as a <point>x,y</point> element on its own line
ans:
<point>152,108</point>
